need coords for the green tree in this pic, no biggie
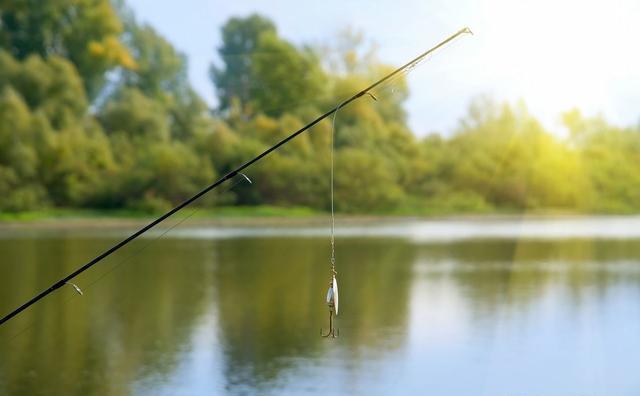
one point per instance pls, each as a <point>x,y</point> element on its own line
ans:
<point>19,163</point>
<point>503,154</point>
<point>84,31</point>
<point>50,85</point>
<point>82,162</point>
<point>283,77</point>
<point>240,37</point>
<point>161,75</point>
<point>161,70</point>
<point>139,117</point>
<point>169,172</point>
<point>364,183</point>
<point>610,158</point>
<point>264,71</point>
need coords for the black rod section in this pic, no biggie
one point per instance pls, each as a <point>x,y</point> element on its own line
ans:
<point>218,182</point>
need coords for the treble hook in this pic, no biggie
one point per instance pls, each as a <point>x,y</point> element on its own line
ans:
<point>332,302</point>
<point>333,332</point>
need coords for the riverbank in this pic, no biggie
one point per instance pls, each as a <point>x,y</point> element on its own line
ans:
<point>197,213</point>
<point>118,218</point>
<point>244,216</point>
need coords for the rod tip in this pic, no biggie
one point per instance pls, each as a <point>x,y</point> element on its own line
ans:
<point>467,30</point>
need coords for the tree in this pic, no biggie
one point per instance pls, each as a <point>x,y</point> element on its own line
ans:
<point>82,161</point>
<point>364,184</point>
<point>503,154</point>
<point>171,172</point>
<point>84,31</point>
<point>137,116</point>
<point>284,78</point>
<point>50,85</point>
<point>19,161</point>
<point>264,71</point>
<point>240,38</point>
<point>610,158</point>
<point>161,75</point>
<point>161,71</point>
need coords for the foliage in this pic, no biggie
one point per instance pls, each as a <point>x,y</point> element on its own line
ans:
<point>264,72</point>
<point>97,112</point>
<point>240,37</point>
<point>86,32</point>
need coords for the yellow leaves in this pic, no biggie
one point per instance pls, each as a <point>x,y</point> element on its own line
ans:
<point>97,49</point>
<point>111,50</point>
<point>263,128</point>
<point>263,123</point>
<point>126,60</point>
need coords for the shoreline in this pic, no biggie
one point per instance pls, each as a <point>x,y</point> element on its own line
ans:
<point>258,217</point>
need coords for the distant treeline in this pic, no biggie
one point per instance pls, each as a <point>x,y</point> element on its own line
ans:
<point>96,111</point>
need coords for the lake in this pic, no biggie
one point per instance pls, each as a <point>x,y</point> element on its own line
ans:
<point>514,307</point>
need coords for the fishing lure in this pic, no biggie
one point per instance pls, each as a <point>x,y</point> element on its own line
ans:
<point>332,302</point>
<point>332,293</point>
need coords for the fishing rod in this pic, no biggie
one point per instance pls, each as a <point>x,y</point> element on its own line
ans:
<point>67,279</point>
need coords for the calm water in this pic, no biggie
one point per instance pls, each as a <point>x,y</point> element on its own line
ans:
<point>492,307</point>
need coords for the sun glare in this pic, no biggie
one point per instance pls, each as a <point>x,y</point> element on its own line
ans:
<point>557,55</point>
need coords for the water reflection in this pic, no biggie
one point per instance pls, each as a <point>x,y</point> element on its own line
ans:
<point>243,316</point>
<point>125,326</point>
<point>271,307</point>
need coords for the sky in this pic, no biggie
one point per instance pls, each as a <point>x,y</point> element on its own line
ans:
<point>554,55</point>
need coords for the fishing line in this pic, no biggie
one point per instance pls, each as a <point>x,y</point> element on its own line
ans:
<point>333,219</point>
<point>368,90</point>
<point>129,257</point>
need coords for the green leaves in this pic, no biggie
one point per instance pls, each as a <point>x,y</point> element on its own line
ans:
<point>137,116</point>
<point>240,37</point>
<point>283,78</point>
<point>52,86</point>
<point>364,184</point>
<point>265,72</point>
<point>86,32</point>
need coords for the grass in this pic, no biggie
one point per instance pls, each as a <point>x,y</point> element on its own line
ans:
<point>258,211</point>
<point>202,213</point>
<point>266,211</point>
